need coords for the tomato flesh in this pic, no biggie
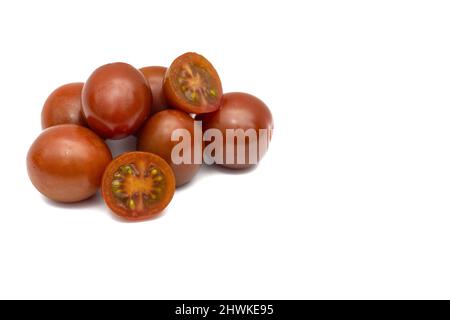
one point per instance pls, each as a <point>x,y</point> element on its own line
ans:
<point>192,84</point>
<point>138,185</point>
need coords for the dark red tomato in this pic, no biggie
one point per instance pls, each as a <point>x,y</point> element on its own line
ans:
<point>66,162</point>
<point>192,84</point>
<point>240,111</point>
<point>63,106</point>
<point>116,100</point>
<point>155,137</point>
<point>155,79</point>
<point>138,185</point>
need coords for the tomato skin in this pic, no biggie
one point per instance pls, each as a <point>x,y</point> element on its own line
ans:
<point>66,162</point>
<point>239,111</point>
<point>63,106</point>
<point>155,78</point>
<point>137,157</point>
<point>116,100</point>
<point>172,88</point>
<point>155,137</point>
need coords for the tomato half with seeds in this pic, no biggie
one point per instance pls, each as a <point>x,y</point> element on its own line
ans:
<point>191,84</point>
<point>138,185</point>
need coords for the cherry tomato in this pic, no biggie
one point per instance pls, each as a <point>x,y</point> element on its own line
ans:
<point>155,77</point>
<point>155,137</point>
<point>138,185</point>
<point>63,106</point>
<point>240,111</point>
<point>191,84</point>
<point>116,100</point>
<point>66,162</point>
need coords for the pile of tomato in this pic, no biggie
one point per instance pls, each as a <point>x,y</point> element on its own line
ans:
<point>69,161</point>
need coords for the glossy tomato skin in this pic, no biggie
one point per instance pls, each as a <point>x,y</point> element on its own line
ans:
<point>116,100</point>
<point>239,111</point>
<point>155,78</point>
<point>138,185</point>
<point>63,106</point>
<point>66,162</point>
<point>192,84</point>
<point>155,137</point>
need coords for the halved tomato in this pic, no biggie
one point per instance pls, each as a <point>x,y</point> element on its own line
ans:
<point>191,84</point>
<point>138,185</point>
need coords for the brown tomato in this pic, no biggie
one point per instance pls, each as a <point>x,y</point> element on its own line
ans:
<point>155,136</point>
<point>66,162</point>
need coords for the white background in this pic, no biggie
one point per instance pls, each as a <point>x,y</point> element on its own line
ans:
<point>351,201</point>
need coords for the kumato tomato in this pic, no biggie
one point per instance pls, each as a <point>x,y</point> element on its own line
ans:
<point>63,106</point>
<point>243,117</point>
<point>155,78</point>
<point>66,162</point>
<point>191,84</point>
<point>138,185</point>
<point>116,100</point>
<point>156,137</point>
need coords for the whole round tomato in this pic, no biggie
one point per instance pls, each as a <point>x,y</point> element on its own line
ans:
<point>63,106</point>
<point>191,84</point>
<point>155,137</point>
<point>116,100</point>
<point>66,162</point>
<point>238,113</point>
<point>155,78</point>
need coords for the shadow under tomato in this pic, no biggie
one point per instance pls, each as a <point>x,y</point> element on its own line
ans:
<point>95,201</point>
<point>118,147</point>
<point>123,220</point>
<point>226,170</point>
<point>214,169</point>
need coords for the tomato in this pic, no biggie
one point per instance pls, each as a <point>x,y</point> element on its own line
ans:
<point>138,185</point>
<point>240,111</point>
<point>155,137</point>
<point>191,84</point>
<point>66,162</point>
<point>116,100</point>
<point>155,77</point>
<point>63,106</point>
